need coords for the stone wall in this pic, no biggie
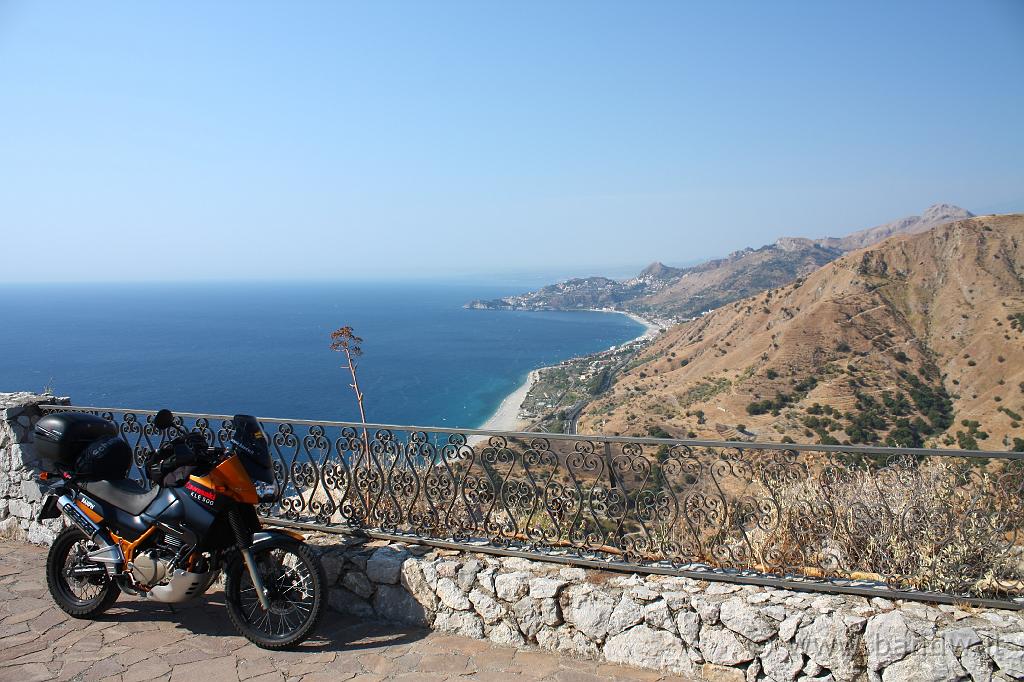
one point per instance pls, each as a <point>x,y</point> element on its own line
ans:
<point>715,631</point>
<point>19,491</point>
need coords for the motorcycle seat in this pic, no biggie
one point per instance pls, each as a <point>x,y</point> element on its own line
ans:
<point>125,494</point>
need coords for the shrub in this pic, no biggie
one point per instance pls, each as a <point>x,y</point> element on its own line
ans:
<point>1015,416</point>
<point>658,432</point>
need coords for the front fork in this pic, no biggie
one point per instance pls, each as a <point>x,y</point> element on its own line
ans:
<point>257,579</point>
<point>243,539</point>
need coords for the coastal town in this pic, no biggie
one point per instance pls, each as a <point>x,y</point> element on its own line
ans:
<point>556,395</point>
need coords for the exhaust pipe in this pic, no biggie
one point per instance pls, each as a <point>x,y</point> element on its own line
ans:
<point>108,553</point>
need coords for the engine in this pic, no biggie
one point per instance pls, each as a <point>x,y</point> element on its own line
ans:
<point>153,566</point>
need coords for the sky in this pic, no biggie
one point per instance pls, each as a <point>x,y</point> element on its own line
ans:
<point>393,140</point>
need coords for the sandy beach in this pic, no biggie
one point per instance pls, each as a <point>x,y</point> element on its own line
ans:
<point>651,329</point>
<point>506,417</point>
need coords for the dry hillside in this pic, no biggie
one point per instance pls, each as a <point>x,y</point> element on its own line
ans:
<point>917,340</point>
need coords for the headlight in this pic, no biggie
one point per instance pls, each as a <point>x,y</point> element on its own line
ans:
<point>267,492</point>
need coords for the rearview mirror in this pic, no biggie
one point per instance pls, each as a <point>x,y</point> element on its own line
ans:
<point>164,419</point>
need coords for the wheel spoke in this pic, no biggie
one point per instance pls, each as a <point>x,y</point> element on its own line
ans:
<point>82,590</point>
<point>289,583</point>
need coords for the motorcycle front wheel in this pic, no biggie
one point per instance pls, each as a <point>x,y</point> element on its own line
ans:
<point>294,580</point>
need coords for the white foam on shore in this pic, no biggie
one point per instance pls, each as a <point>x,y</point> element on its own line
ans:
<point>651,328</point>
<point>506,417</point>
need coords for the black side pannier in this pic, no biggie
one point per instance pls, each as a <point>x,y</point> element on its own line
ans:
<point>105,460</point>
<point>60,438</point>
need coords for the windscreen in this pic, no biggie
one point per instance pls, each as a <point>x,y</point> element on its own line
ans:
<point>249,443</point>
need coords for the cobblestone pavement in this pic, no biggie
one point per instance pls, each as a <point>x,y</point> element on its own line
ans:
<point>138,640</point>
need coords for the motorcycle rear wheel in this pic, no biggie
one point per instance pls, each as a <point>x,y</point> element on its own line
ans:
<point>78,597</point>
<point>295,582</point>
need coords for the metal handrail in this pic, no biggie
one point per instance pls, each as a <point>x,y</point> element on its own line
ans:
<point>915,523</point>
<point>795,447</point>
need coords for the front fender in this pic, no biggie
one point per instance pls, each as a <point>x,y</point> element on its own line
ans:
<point>264,536</point>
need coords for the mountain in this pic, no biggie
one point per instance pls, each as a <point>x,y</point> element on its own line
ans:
<point>680,293</point>
<point>589,292</point>
<point>915,341</point>
<point>932,217</point>
<point>721,281</point>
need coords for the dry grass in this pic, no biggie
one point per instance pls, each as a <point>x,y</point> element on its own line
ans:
<point>939,526</point>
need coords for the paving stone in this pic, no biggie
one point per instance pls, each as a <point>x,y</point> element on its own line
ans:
<point>140,641</point>
<point>223,669</point>
<point>145,670</point>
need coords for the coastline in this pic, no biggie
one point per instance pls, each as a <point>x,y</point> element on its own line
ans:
<point>506,417</point>
<point>651,328</point>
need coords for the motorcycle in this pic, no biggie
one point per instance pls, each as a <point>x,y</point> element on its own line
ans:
<point>170,540</point>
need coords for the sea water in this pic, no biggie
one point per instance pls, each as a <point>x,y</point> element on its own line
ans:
<point>262,348</point>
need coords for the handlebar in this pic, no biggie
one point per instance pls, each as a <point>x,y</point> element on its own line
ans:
<point>187,449</point>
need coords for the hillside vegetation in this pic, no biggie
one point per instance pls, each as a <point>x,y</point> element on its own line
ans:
<point>916,341</point>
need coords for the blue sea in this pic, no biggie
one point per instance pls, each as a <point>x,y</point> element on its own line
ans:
<point>262,348</point>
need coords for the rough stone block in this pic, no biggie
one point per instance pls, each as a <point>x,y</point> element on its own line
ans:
<point>451,595</point>
<point>512,586</point>
<point>528,616</point>
<point>939,665</point>
<point>30,491</point>
<point>588,610</point>
<point>357,582</point>
<point>505,634</point>
<point>648,648</point>
<point>888,639</point>
<point>545,588</point>
<point>780,662</point>
<point>1009,660</point>
<point>658,615</point>
<point>393,603</point>
<point>743,618</point>
<point>40,535</point>
<point>20,508</point>
<point>724,647</point>
<point>467,574</point>
<point>626,614</point>
<point>487,606</point>
<point>385,565</point>
<point>462,623</point>
<point>414,581</point>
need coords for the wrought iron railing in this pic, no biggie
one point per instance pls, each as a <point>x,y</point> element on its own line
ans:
<point>939,525</point>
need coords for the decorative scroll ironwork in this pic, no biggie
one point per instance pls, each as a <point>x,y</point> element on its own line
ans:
<point>934,523</point>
